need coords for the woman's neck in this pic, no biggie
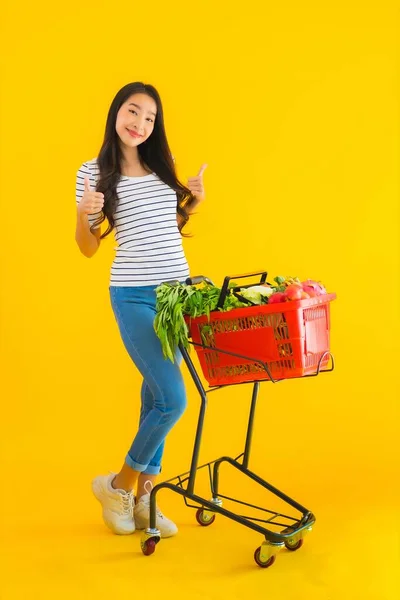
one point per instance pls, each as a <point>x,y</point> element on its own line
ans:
<point>130,157</point>
<point>131,164</point>
<point>126,163</point>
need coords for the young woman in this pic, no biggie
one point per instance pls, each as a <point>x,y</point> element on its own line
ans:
<point>133,184</point>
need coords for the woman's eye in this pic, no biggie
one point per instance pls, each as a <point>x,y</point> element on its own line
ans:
<point>134,111</point>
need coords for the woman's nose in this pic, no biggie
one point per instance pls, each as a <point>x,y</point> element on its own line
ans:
<point>139,125</point>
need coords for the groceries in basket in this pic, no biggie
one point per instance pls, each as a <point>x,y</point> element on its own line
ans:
<point>284,290</point>
<point>178,304</point>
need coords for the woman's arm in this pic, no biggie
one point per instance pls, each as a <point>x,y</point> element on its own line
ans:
<point>196,186</point>
<point>87,241</point>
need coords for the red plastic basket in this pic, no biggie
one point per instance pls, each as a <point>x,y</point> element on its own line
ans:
<point>291,338</point>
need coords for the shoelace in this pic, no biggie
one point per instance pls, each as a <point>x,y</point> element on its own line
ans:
<point>127,503</point>
<point>146,488</point>
<point>159,513</point>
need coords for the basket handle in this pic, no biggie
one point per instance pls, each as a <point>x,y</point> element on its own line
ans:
<point>190,280</point>
<point>227,279</point>
<point>171,282</point>
<point>198,279</point>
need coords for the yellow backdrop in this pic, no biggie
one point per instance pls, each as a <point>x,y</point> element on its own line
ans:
<point>294,108</point>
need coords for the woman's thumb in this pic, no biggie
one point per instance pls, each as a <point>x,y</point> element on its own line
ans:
<point>87,184</point>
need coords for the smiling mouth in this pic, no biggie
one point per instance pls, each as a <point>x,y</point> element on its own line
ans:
<point>133,134</point>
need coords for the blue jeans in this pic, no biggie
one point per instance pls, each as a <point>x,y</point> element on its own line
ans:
<point>163,394</point>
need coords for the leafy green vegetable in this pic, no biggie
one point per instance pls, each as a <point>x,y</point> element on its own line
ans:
<point>176,300</point>
<point>279,280</point>
<point>258,294</point>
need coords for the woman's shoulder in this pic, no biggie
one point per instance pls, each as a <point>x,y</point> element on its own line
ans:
<point>92,165</point>
<point>89,167</point>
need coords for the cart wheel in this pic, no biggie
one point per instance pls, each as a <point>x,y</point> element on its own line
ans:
<point>149,541</point>
<point>267,563</point>
<point>204,518</point>
<point>294,546</point>
<point>149,546</point>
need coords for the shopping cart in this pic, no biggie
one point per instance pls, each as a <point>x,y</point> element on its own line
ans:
<point>249,345</point>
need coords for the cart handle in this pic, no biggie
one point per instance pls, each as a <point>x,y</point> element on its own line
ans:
<point>198,279</point>
<point>190,280</point>
<point>227,279</point>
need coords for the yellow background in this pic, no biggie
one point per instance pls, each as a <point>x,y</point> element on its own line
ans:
<point>294,108</point>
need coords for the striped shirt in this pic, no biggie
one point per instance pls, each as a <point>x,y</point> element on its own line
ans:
<point>149,249</point>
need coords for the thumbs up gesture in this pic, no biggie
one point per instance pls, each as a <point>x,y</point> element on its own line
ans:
<point>195,184</point>
<point>91,202</point>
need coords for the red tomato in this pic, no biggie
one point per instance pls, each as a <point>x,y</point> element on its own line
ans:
<point>276,298</point>
<point>293,292</point>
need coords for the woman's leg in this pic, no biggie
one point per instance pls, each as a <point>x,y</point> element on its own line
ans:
<point>142,488</point>
<point>147,400</point>
<point>126,479</point>
<point>147,404</point>
<point>154,465</point>
<point>134,310</point>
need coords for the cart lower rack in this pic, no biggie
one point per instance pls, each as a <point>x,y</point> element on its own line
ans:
<point>297,337</point>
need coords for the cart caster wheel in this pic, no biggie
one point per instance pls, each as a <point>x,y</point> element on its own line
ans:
<point>264,564</point>
<point>149,547</point>
<point>295,543</point>
<point>149,542</point>
<point>204,517</point>
<point>294,546</point>
<point>265,555</point>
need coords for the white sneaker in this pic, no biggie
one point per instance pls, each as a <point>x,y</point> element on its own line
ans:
<point>117,505</point>
<point>142,516</point>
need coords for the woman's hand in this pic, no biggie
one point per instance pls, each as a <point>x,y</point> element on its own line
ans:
<point>195,185</point>
<point>91,202</point>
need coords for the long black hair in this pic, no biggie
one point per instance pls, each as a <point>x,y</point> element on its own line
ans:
<point>154,153</point>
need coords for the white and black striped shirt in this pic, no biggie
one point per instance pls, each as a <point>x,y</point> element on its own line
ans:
<point>149,249</point>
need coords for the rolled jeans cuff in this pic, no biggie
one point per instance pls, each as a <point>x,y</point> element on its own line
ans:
<point>147,469</point>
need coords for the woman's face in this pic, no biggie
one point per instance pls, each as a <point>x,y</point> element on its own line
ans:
<point>135,119</point>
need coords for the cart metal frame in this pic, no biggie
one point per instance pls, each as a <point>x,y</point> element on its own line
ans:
<point>292,534</point>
